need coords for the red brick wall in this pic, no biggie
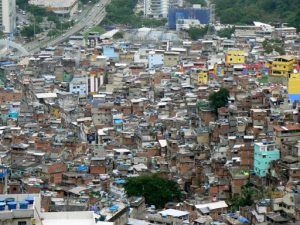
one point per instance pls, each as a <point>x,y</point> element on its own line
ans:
<point>10,96</point>
<point>57,168</point>
<point>33,189</point>
<point>97,170</point>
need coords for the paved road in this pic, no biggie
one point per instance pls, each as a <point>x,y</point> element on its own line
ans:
<point>94,17</point>
<point>5,43</point>
<point>38,42</point>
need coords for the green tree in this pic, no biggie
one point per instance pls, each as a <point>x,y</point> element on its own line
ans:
<point>219,99</point>
<point>118,35</point>
<point>196,33</point>
<point>226,32</point>
<point>87,1</point>
<point>201,2</point>
<point>30,31</point>
<point>271,45</point>
<point>246,198</point>
<point>122,12</point>
<point>53,33</point>
<point>156,190</point>
<point>269,11</point>
<point>2,35</point>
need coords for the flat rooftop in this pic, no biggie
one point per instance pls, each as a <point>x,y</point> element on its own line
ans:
<point>53,3</point>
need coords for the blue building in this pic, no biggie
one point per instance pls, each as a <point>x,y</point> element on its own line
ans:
<point>264,153</point>
<point>200,14</point>
<point>155,60</point>
<point>78,85</point>
<point>109,52</point>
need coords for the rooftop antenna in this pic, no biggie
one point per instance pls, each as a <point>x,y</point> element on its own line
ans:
<point>212,13</point>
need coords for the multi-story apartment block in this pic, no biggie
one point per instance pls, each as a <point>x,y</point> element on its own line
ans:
<point>8,15</point>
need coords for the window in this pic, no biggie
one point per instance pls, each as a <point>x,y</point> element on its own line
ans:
<point>22,223</point>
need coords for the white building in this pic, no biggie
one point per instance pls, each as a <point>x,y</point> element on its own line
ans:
<point>8,15</point>
<point>66,7</point>
<point>94,82</point>
<point>159,8</point>
<point>156,8</point>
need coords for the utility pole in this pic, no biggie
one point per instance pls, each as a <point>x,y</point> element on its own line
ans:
<point>33,27</point>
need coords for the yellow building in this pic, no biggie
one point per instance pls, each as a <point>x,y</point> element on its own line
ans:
<point>235,57</point>
<point>218,70</point>
<point>171,58</point>
<point>55,112</point>
<point>282,66</point>
<point>202,77</point>
<point>294,83</point>
<point>294,87</point>
<point>127,56</point>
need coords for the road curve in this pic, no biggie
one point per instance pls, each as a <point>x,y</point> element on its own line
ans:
<point>95,17</point>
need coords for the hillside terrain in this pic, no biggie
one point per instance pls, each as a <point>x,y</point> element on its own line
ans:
<point>269,11</point>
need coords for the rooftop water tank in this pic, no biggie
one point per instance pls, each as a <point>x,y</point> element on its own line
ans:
<point>23,205</point>
<point>7,200</point>
<point>2,206</point>
<point>12,205</point>
<point>30,199</point>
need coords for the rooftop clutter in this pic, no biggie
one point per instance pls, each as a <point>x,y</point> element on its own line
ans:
<point>78,120</point>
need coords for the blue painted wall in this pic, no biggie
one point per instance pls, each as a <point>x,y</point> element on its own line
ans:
<point>201,14</point>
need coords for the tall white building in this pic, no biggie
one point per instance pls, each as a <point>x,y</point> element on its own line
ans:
<point>159,8</point>
<point>8,16</point>
<point>156,8</point>
<point>62,7</point>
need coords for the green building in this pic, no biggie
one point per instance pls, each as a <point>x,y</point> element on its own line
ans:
<point>264,153</point>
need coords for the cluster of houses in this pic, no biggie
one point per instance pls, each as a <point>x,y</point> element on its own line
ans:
<point>77,119</point>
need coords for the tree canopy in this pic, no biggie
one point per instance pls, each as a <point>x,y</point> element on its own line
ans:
<point>226,32</point>
<point>157,190</point>
<point>200,2</point>
<point>271,45</point>
<point>269,11</point>
<point>118,35</point>
<point>39,13</point>
<point>196,33</point>
<point>122,12</point>
<point>30,31</point>
<point>246,198</point>
<point>219,99</point>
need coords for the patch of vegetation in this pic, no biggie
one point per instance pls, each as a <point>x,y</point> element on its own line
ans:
<point>122,12</point>
<point>157,190</point>
<point>269,11</point>
<point>226,32</point>
<point>200,2</point>
<point>30,31</point>
<point>196,33</point>
<point>271,45</point>
<point>96,29</point>
<point>88,1</point>
<point>39,13</point>
<point>2,35</point>
<point>53,33</point>
<point>118,35</point>
<point>219,99</point>
<point>264,79</point>
<point>246,198</point>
